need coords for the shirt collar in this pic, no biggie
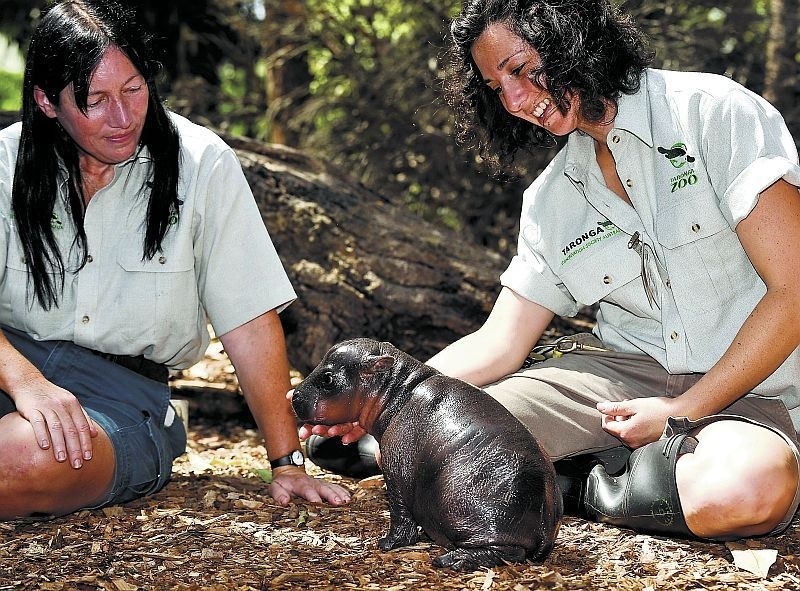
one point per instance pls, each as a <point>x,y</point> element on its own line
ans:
<point>633,113</point>
<point>141,155</point>
<point>633,116</point>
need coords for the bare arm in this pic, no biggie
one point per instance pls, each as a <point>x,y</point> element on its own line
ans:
<point>499,347</point>
<point>771,237</point>
<point>56,417</point>
<point>258,352</point>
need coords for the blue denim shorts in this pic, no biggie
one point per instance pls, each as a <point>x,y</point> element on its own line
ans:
<point>134,411</point>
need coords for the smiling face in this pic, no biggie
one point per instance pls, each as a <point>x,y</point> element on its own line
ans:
<point>109,131</point>
<point>508,65</point>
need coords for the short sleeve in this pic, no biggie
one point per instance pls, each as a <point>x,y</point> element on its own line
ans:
<point>531,277</point>
<point>240,275</point>
<point>748,148</point>
<point>9,141</point>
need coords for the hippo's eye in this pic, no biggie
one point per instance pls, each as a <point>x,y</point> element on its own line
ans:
<point>327,379</point>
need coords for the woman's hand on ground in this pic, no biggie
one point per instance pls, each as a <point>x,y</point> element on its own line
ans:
<point>292,481</point>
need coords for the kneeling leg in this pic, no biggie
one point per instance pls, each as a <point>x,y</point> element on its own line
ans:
<point>34,482</point>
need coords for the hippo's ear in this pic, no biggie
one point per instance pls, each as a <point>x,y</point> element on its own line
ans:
<point>377,364</point>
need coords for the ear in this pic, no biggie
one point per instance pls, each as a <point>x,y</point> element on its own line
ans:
<point>45,106</point>
<point>377,364</point>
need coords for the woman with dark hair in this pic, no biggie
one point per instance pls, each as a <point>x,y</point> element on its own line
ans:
<point>123,232</point>
<point>674,208</point>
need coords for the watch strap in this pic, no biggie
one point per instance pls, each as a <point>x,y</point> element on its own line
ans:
<point>293,458</point>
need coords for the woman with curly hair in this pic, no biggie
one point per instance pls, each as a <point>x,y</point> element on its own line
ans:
<point>674,208</point>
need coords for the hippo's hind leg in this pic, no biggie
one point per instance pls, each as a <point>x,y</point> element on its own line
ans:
<point>469,559</point>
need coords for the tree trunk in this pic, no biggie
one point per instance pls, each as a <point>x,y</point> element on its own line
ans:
<point>781,67</point>
<point>361,266</point>
<point>287,75</point>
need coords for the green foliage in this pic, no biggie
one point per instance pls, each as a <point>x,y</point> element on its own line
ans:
<point>373,107</point>
<point>10,91</point>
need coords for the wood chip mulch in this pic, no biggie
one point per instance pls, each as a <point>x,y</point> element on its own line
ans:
<point>213,527</point>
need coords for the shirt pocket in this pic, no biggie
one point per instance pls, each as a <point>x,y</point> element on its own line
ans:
<point>14,302</point>
<point>703,256</point>
<point>18,299</point>
<point>160,301</point>
<point>612,276</point>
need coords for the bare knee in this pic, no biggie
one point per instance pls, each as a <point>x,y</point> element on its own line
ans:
<point>738,489</point>
<point>34,482</point>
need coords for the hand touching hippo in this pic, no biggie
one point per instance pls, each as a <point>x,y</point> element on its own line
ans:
<point>455,461</point>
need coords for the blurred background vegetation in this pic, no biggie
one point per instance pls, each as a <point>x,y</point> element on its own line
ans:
<point>356,83</point>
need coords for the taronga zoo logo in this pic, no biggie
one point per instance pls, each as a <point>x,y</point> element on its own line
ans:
<point>679,157</point>
<point>676,154</point>
<point>601,231</point>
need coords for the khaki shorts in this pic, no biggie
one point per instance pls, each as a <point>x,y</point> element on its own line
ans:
<point>556,400</point>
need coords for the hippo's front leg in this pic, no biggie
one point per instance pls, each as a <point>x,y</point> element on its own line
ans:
<point>403,530</point>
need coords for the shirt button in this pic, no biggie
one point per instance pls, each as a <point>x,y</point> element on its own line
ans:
<point>629,182</point>
<point>85,320</point>
<point>607,279</point>
<point>89,258</point>
<point>668,284</point>
<point>615,139</point>
<point>162,259</point>
<point>674,336</point>
<point>695,228</point>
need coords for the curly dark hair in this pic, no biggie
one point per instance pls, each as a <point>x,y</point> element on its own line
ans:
<point>588,49</point>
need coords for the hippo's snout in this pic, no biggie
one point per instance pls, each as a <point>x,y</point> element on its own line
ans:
<point>303,404</point>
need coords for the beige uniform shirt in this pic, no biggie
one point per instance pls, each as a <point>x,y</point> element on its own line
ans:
<point>218,262</point>
<point>693,151</point>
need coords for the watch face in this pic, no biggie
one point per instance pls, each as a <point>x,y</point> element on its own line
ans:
<point>297,458</point>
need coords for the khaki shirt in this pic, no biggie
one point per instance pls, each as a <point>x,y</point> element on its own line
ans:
<point>218,262</point>
<point>693,151</point>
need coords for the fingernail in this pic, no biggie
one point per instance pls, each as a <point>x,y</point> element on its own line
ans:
<point>45,444</point>
<point>77,463</point>
<point>61,456</point>
<point>87,455</point>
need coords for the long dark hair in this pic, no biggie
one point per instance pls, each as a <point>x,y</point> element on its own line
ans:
<point>65,49</point>
<point>588,49</point>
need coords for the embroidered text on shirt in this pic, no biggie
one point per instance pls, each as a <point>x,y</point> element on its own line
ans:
<point>604,229</point>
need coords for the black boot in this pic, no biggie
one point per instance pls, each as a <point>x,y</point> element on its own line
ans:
<point>645,496</point>
<point>356,459</point>
<point>573,472</point>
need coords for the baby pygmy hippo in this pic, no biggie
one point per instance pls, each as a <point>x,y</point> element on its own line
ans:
<point>455,461</point>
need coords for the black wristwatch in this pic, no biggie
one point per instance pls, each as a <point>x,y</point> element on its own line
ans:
<point>293,458</point>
